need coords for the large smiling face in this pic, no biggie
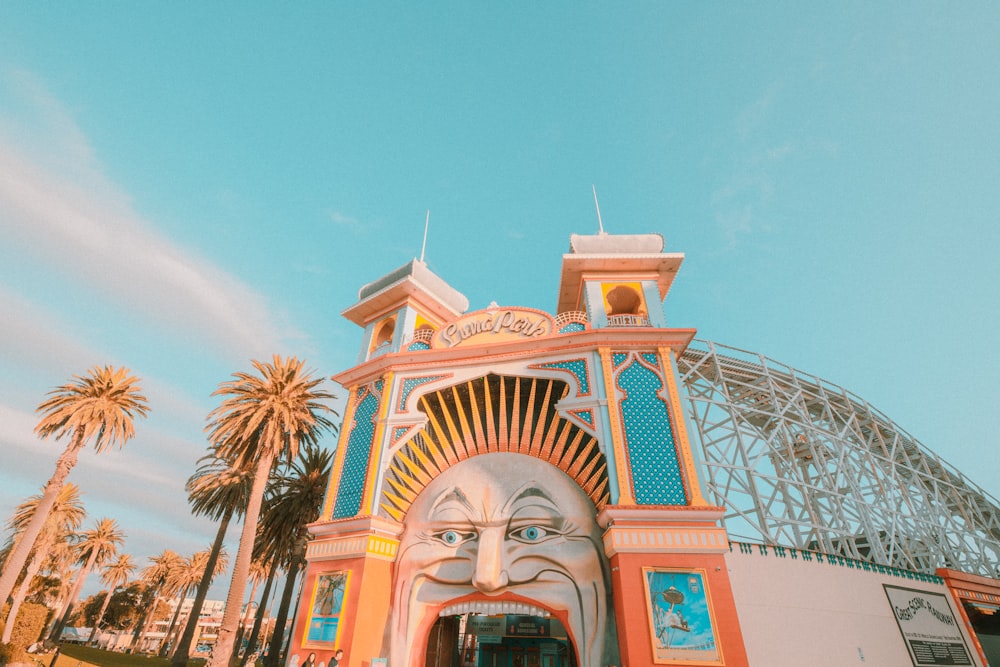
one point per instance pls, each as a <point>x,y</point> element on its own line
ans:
<point>500,533</point>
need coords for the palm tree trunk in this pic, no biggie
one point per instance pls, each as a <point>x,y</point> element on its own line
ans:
<point>100,617</point>
<point>37,559</point>
<point>237,587</point>
<point>246,615</point>
<point>20,594</point>
<point>61,602</point>
<point>181,596</point>
<point>19,556</point>
<point>140,628</point>
<point>259,616</point>
<point>278,633</point>
<point>74,594</point>
<point>180,655</point>
<point>147,626</point>
<point>175,630</point>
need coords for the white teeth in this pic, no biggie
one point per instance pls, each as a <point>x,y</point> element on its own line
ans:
<point>493,609</point>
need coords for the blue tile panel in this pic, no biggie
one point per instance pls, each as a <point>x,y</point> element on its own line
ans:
<point>572,327</point>
<point>578,367</point>
<point>649,437</point>
<point>359,446</point>
<point>409,384</point>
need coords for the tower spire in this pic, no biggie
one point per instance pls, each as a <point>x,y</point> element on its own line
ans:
<point>600,224</point>
<point>427,222</point>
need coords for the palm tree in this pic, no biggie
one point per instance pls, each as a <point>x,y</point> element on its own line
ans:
<point>62,566</point>
<point>188,576</point>
<point>116,575</point>
<point>65,517</point>
<point>262,420</point>
<point>157,577</point>
<point>293,503</point>
<point>59,562</point>
<point>220,491</point>
<point>96,547</point>
<point>99,407</point>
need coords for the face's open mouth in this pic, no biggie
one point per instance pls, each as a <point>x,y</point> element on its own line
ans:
<point>423,618</point>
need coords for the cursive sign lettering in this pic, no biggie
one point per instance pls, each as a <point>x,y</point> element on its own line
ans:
<point>507,323</point>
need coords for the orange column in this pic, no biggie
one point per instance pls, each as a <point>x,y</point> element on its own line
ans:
<point>676,541</point>
<point>365,549</point>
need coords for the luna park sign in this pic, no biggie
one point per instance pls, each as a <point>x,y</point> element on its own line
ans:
<point>494,325</point>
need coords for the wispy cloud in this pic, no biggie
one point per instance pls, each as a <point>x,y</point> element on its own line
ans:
<point>33,337</point>
<point>34,120</point>
<point>17,431</point>
<point>737,202</point>
<point>753,117</point>
<point>71,233</point>
<point>750,185</point>
<point>64,211</point>
<point>345,221</point>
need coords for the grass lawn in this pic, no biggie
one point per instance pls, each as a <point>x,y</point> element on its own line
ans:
<point>70,655</point>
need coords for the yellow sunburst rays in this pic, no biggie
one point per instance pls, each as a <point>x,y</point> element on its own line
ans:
<point>457,430</point>
<point>477,419</point>
<point>536,437</point>
<point>503,439</point>
<point>491,431</point>
<point>468,435</point>
<point>514,443</point>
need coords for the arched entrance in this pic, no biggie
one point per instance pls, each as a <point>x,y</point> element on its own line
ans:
<point>475,640</point>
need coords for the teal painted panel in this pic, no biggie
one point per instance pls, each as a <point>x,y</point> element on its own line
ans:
<point>649,436</point>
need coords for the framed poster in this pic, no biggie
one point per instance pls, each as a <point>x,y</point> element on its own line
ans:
<point>681,618</point>
<point>929,628</point>
<point>326,607</point>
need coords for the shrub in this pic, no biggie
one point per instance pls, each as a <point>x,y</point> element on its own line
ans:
<point>28,626</point>
<point>7,653</point>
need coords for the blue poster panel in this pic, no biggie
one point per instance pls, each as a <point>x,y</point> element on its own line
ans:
<point>681,619</point>
<point>327,606</point>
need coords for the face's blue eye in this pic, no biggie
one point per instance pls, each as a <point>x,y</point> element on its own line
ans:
<point>453,537</point>
<point>531,534</point>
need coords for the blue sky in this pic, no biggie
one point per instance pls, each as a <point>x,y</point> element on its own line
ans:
<point>187,186</point>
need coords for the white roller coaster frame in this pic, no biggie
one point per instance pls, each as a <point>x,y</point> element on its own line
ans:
<point>800,462</point>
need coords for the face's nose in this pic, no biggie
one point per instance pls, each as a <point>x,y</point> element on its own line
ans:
<point>491,566</point>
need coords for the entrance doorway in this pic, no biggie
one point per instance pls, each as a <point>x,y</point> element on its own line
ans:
<point>475,640</point>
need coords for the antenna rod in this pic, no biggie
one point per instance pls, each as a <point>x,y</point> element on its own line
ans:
<point>427,223</point>
<point>598,207</point>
